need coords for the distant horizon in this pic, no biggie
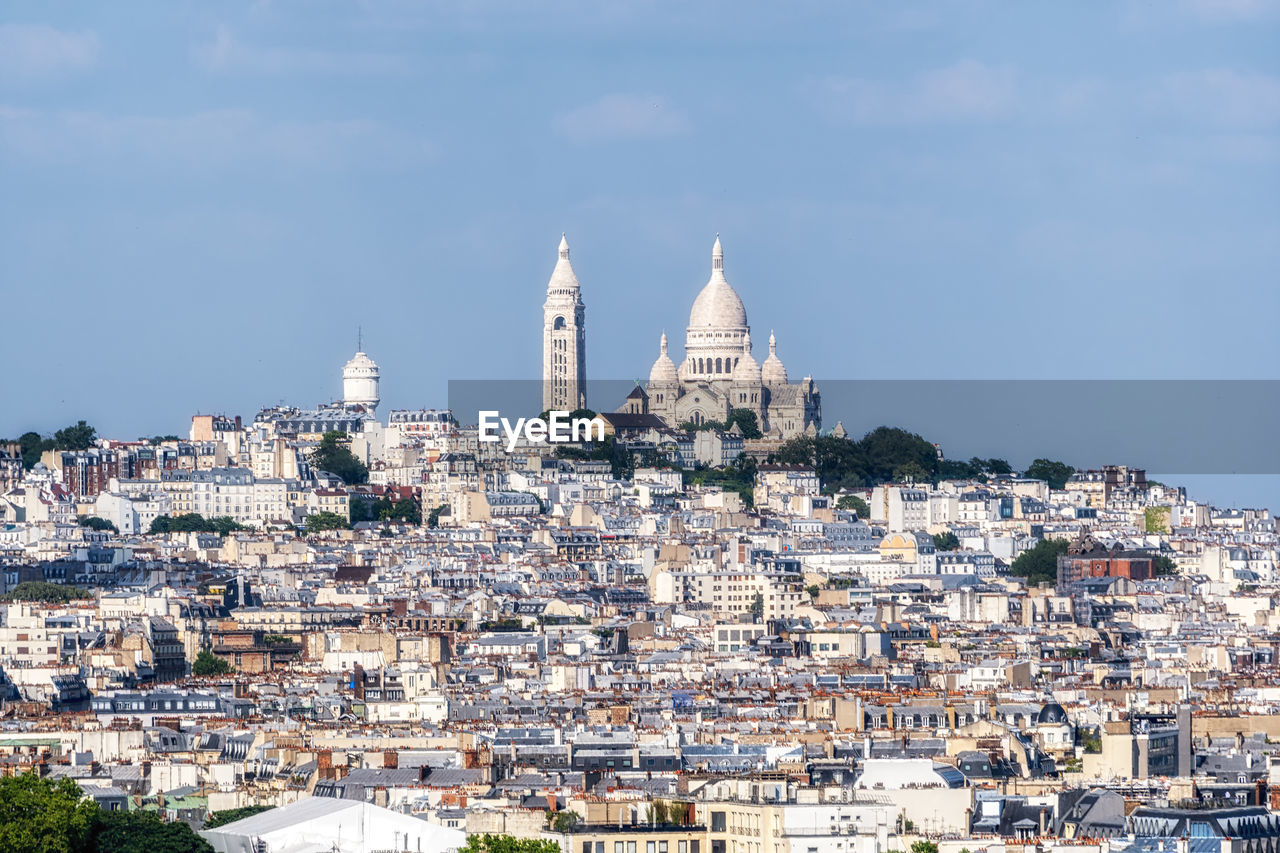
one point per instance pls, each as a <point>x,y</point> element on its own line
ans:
<point>1226,490</point>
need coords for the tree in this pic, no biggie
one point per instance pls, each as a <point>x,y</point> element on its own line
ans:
<point>1090,739</point>
<point>731,479</point>
<point>844,464</point>
<point>1165,566</point>
<point>856,504</point>
<point>488,843</point>
<point>1156,519</point>
<point>94,523</point>
<point>226,816</point>
<point>361,509</point>
<point>690,426</point>
<point>1040,564</point>
<point>160,439</point>
<point>954,469</point>
<point>746,466</point>
<point>564,821</point>
<point>910,472</point>
<point>321,521</point>
<point>407,510</point>
<point>757,607</point>
<point>144,832</point>
<point>945,541</point>
<point>1054,473</point>
<point>747,422</point>
<point>43,816</point>
<point>208,665</point>
<point>887,448</point>
<point>433,517</point>
<point>194,522</point>
<point>838,462</point>
<point>333,454</point>
<point>80,436</point>
<point>32,444</point>
<point>923,846</point>
<point>43,591</point>
<point>813,590</point>
<point>995,467</point>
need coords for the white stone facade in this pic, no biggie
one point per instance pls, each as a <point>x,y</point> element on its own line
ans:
<point>719,373</point>
<point>564,339</point>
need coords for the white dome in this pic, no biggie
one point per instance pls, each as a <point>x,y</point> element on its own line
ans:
<point>664,369</point>
<point>748,369</point>
<point>360,361</point>
<point>563,278</point>
<point>773,372</point>
<point>718,304</point>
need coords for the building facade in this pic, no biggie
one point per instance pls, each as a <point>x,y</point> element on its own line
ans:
<point>719,373</point>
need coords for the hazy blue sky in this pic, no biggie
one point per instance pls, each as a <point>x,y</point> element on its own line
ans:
<point>200,202</point>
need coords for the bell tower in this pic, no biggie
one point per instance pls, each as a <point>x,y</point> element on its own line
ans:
<point>564,339</point>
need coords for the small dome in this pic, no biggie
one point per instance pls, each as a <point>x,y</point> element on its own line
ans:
<point>1051,714</point>
<point>773,371</point>
<point>718,304</point>
<point>748,369</point>
<point>664,369</point>
<point>360,361</point>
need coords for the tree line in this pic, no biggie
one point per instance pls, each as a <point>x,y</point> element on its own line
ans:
<point>43,815</point>
<point>32,445</point>
<point>895,455</point>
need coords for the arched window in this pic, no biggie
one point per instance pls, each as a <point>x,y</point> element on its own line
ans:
<point>559,323</point>
<point>718,366</point>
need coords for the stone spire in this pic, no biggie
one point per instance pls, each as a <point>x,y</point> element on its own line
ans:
<point>773,372</point>
<point>664,369</point>
<point>564,338</point>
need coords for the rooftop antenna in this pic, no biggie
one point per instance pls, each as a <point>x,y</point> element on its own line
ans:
<point>359,339</point>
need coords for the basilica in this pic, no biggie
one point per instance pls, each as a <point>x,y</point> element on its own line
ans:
<point>717,375</point>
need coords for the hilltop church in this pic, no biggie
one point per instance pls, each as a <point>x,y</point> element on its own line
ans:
<point>718,372</point>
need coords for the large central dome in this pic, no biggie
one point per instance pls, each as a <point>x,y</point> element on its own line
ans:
<point>717,335</point>
<point>718,304</point>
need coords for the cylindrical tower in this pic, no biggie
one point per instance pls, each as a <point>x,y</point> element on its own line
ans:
<point>360,382</point>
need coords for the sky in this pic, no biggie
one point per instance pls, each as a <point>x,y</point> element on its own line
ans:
<point>200,203</point>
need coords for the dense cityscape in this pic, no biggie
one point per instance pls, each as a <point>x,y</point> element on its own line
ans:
<point>725,627</point>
